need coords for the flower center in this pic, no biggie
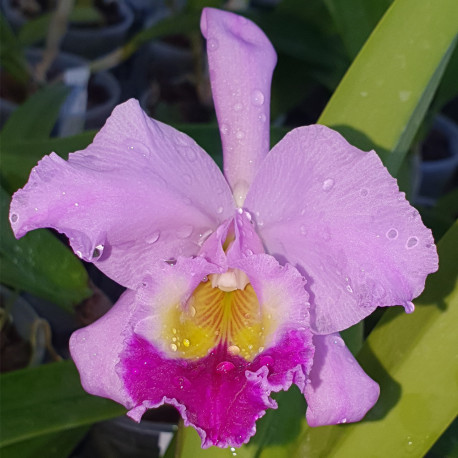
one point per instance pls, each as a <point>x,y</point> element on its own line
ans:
<point>223,311</point>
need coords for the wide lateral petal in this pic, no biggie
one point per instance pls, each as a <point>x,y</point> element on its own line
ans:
<point>141,191</point>
<point>241,60</point>
<point>95,350</point>
<point>336,214</point>
<point>338,390</point>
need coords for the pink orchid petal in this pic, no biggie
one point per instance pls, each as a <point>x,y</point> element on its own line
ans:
<point>241,60</point>
<point>221,395</point>
<point>95,350</point>
<point>141,191</point>
<point>337,215</point>
<point>338,390</point>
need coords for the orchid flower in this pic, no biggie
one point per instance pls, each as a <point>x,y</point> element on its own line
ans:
<point>237,284</point>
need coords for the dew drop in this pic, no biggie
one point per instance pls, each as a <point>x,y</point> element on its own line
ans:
<point>266,360</point>
<point>225,367</point>
<point>240,134</point>
<point>173,347</point>
<point>349,289</point>
<point>238,107</point>
<point>303,229</point>
<point>153,238</point>
<point>212,44</point>
<point>192,311</point>
<point>186,343</point>
<point>413,241</point>
<point>249,252</point>
<point>338,341</point>
<point>98,250</point>
<point>225,129</point>
<point>344,420</point>
<point>184,231</point>
<point>233,350</point>
<point>392,234</point>
<point>181,383</point>
<point>81,336</point>
<point>328,184</point>
<point>79,254</point>
<point>14,218</point>
<point>409,307</point>
<point>262,117</point>
<point>257,98</point>
<point>219,210</point>
<point>77,204</point>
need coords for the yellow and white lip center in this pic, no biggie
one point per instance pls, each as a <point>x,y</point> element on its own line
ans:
<point>223,310</point>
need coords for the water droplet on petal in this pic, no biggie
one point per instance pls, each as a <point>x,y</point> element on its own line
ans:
<point>181,382</point>
<point>338,341</point>
<point>79,254</point>
<point>14,218</point>
<point>187,178</point>
<point>233,350</point>
<point>240,134</point>
<point>344,420</point>
<point>413,241</point>
<point>262,117</point>
<point>219,210</point>
<point>409,307</point>
<point>364,192</point>
<point>328,184</point>
<point>153,238</point>
<point>303,229</point>
<point>266,360</point>
<point>225,367</point>
<point>186,343</point>
<point>77,204</point>
<point>81,336</point>
<point>392,234</point>
<point>184,231</point>
<point>257,97</point>
<point>212,44</point>
<point>238,107</point>
<point>173,347</point>
<point>98,250</point>
<point>225,129</point>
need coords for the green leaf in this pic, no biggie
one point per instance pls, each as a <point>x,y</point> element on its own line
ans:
<point>53,445</point>
<point>411,357</point>
<point>35,30</point>
<point>40,264</point>
<point>383,97</point>
<point>20,156</point>
<point>12,58</point>
<point>48,399</point>
<point>35,119</point>
<point>355,20</point>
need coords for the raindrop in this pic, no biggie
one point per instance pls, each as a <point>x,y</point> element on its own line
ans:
<point>212,44</point>
<point>186,343</point>
<point>77,204</point>
<point>219,210</point>
<point>79,254</point>
<point>257,97</point>
<point>184,231</point>
<point>225,367</point>
<point>328,184</point>
<point>240,134</point>
<point>153,238</point>
<point>224,129</point>
<point>349,289</point>
<point>234,453</point>
<point>14,218</point>
<point>262,117</point>
<point>187,178</point>
<point>249,252</point>
<point>303,229</point>
<point>233,350</point>
<point>181,383</point>
<point>344,420</point>
<point>392,234</point>
<point>98,250</point>
<point>238,107</point>
<point>338,341</point>
<point>173,347</point>
<point>81,336</point>
<point>409,307</point>
<point>192,311</point>
<point>266,360</point>
<point>413,241</point>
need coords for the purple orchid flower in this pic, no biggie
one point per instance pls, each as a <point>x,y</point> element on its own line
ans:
<point>236,283</point>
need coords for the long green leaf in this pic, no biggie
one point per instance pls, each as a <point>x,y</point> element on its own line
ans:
<point>413,357</point>
<point>40,264</point>
<point>383,97</point>
<point>355,20</point>
<point>48,399</point>
<point>35,119</point>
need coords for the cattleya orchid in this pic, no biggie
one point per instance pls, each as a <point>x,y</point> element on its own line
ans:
<point>237,284</point>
